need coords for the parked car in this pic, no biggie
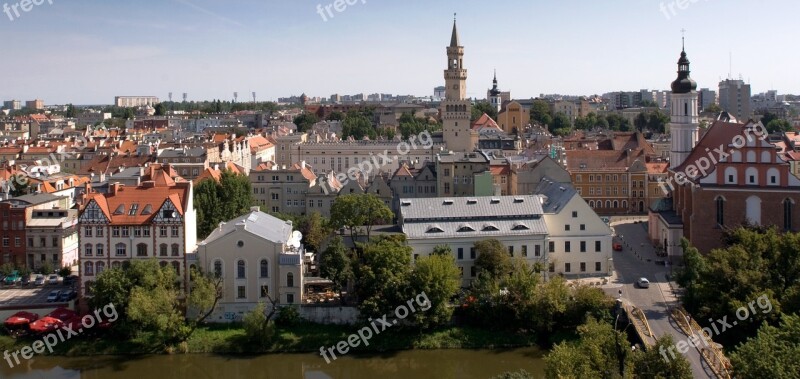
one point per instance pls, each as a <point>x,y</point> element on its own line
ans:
<point>617,246</point>
<point>53,296</point>
<point>52,279</point>
<point>13,278</point>
<point>643,283</point>
<point>26,279</point>
<point>67,295</point>
<point>70,280</point>
<point>39,280</point>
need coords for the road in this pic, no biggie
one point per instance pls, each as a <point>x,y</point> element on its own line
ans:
<point>631,264</point>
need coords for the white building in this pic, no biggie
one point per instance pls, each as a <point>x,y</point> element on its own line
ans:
<point>135,101</point>
<point>52,236</point>
<point>579,242</point>
<point>516,221</point>
<point>154,220</point>
<point>254,256</point>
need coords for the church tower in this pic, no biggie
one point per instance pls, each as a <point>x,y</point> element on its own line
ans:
<point>494,94</point>
<point>456,110</point>
<point>684,117</point>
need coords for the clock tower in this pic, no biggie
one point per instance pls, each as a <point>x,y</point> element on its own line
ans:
<point>456,110</point>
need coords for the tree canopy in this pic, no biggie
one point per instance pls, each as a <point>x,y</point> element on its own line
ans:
<point>223,201</point>
<point>354,211</point>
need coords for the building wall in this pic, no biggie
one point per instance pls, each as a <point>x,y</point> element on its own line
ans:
<point>595,230</point>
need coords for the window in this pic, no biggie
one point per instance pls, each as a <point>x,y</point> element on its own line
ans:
<point>125,231</point>
<point>583,266</point>
<point>720,202</point>
<point>101,266</point>
<point>137,232</point>
<point>162,231</point>
<point>524,250</point>
<point>597,246</point>
<point>121,250</point>
<point>87,250</point>
<point>598,266</point>
<point>88,269</point>
<point>264,268</point>
<point>290,298</point>
<point>162,250</point>
<point>574,214</point>
<point>87,231</point>
<point>566,227</point>
<point>471,253</point>
<point>551,247</point>
<point>788,206</point>
<point>460,253</point>
<point>567,246</point>
<point>146,231</point>
<point>99,249</point>
<point>567,267</point>
<point>583,227</point>
<point>141,250</point>
<point>175,231</point>
<point>99,231</point>
<point>472,271</point>
<point>240,269</point>
<point>17,242</point>
<point>289,280</point>
<point>176,250</point>
<point>42,242</point>
<point>240,292</point>
<point>537,251</point>
<point>583,246</point>
<point>116,264</point>
<point>511,251</point>
<point>264,290</point>
<point>177,267</point>
<point>552,267</point>
<point>218,268</point>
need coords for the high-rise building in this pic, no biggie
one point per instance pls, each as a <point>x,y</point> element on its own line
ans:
<point>684,122</point>
<point>13,105</point>
<point>734,98</point>
<point>34,104</point>
<point>706,97</point>
<point>456,110</point>
<point>135,101</point>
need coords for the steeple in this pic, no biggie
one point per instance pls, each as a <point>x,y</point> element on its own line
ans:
<point>684,83</point>
<point>454,42</point>
<point>494,91</point>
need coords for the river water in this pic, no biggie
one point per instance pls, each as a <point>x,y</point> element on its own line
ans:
<point>414,364</point>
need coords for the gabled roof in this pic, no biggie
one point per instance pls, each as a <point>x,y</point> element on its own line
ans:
<point>256,223</point>
<point>151,198</point>
<point>720,133</point>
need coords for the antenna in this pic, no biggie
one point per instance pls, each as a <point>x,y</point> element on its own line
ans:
<point>254,97</point>
<point>235,96</point>
<point>683,39</point>
<point>185,95</point>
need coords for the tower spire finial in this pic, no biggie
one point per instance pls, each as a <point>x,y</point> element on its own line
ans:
<point>683,39</point>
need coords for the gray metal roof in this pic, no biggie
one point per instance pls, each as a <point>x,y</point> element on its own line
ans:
<point>484,207</point>
<point>481,229</point>
<point>557,195</point>
<point>258,223</point>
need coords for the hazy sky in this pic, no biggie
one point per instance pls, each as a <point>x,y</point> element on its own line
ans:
<point>88,51</point>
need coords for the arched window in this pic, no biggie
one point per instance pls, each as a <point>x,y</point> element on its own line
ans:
<point>788,208</point>
<point>751,156</point>
<point>753,206</point>
<point>773,178</point>
<point>736,156</point>
<point>751,175</point>
<point>87,250</point>
<point>116,265</point>
<point>177,267</point>
<point>624,204</point>
<point>289,280</point>
<point>218,268</point>
<point>162,250</point>
<point>99,249</point>
<point>121,250</point>
<point>264,268</point>
<point>101,266</point>
<point>240,269</point>
<point>141,250</point>
<point>720,202</point>
<point>766,157</point>
<point>176,250</point>
<point>616,204</point>
<point>608,203</point>
<point>88,269</point>
<point>731,176</point>
<point>591,203</point>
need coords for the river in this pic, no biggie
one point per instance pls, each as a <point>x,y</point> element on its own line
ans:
<point>416,364</point>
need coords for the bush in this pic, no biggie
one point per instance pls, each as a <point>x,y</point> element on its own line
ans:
<point>288,316</point>
<point>258,329</point>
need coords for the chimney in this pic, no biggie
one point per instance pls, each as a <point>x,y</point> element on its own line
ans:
<point>114,188</point>
<point>302,165</point>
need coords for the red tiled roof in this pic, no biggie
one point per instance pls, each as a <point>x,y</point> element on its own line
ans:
<point>124,197</point>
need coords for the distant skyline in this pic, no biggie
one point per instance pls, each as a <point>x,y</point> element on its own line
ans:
<point>88,51</point>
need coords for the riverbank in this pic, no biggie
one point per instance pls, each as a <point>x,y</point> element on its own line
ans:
<point>303,338</point>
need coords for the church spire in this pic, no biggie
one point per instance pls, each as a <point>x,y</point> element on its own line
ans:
<point>454,42</point>
<point>684,83</point>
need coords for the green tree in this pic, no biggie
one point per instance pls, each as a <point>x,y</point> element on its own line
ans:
<point>641,121</point>
<point>493,258</point>
<point>70,113</point>
<point>772,353</point>
<point>354,211</point>
<point>617,122</point>
<point>713,108</point>
<point>657,121</point>
<point>259,326</point>
<point>358,126</point>
<point>46,268</point>
<point>779,126</point>
<point>594,355</point>
<point>315,230</point>
<point>206,292</point>
<point>161,109</point>
<point>442,250</point>
<point>560,121</point>
<point>223,201</point>
<point>540,112</point>
<point>651,363</point>
<point>438,277</point>
<point>335,116</point>
<point>382,276</point>
<point>521,374</point>
<point>305,121</point>
<point>483,107</point>
<point>335,265</point>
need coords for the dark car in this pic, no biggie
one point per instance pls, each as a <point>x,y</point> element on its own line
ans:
<point>67,295</point>
<point>70,280</point>
<point>53,296</point>
<point>26,279</point>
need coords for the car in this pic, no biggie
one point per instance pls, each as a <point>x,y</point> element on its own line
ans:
<point>70,280</point>
<point>53,296</point>
<point>12,278</point>
<point>67,295</point>
<point>52,279</point>
<point>26,279</point>
<point>39,280</point>
<point>643,283</point>
<point>617,246</point>
<point>606,220</point>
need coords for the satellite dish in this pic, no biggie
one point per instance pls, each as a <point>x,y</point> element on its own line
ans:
<point>294,241</point>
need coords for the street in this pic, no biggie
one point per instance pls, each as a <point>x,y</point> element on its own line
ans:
<point>636,260</point>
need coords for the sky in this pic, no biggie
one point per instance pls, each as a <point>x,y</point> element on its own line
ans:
<point>88,51</point>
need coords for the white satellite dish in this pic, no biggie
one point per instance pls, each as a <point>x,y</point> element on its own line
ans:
<point>294,241</point>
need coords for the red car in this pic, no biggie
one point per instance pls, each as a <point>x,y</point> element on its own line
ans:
<point>617,246</point>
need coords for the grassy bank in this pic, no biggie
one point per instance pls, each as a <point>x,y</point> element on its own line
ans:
<point>231,339</point>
